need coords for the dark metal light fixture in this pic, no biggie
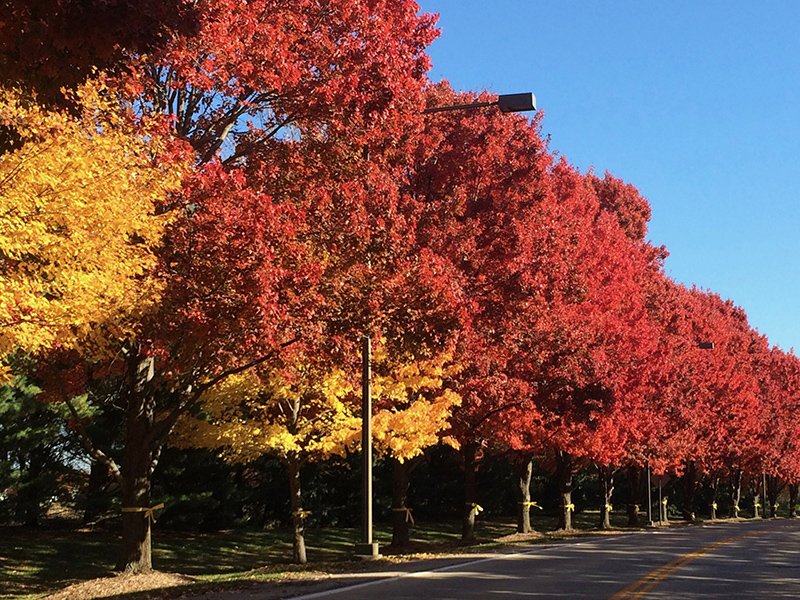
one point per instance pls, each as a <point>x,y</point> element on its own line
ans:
<point>505,102</point>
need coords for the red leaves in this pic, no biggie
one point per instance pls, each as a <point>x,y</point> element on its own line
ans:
<point>550,279</point>
<point>327,68</point>
<point>570,333</point>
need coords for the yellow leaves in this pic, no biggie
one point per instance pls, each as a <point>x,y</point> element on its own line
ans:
<point>310,414</point>
<point>6,374</point>
<point>78,222</point>
<point>243,387</point>
<point>420,407</point>
<point>406,433</point>
<point>312,411</point>
<point>410,377</point>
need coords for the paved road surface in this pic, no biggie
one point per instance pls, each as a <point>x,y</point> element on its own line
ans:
<point>734,561</point>
<point>731,561</point>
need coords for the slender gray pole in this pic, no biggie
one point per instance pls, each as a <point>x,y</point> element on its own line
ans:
<point>649,498</point>
<point>366,440</point>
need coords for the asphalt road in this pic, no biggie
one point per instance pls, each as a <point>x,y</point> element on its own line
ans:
<point>746,560</point>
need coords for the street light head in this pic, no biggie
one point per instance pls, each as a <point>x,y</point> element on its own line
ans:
<point>516,102</point>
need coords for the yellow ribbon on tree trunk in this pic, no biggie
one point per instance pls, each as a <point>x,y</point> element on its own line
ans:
<point>405,509</point>
<point>531,505</point>
<point>475,507</point>
<point>570,507</point>
<point>148,512</point>
<point>664,502</point>
<point>303,514</point>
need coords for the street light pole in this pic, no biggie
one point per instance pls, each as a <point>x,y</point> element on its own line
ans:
<point>367,548</point>
<point>507,103</point>
<point>649,499</point>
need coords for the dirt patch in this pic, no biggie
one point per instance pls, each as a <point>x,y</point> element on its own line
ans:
<point>120,584</point>
<point>520,537</point>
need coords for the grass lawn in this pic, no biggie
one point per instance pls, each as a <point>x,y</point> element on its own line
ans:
<point>34,562</point>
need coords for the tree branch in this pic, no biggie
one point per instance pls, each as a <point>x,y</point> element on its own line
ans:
<point>161,431</point>
<point>86,441</point>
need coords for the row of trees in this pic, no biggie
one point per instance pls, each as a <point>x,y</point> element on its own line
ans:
<point>195,239</point>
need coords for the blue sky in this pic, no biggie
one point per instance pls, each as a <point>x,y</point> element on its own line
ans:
<point>697,104</point>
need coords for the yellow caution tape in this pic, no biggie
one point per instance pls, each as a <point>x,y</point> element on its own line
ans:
<point>148,512</point>
<point>409,516</point>
<point>475,506</point>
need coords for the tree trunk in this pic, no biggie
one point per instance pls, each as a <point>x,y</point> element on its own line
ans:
<point>713,486</point>
<point>736,491</point>
<point>138,460</point>
<point>30,491</point>
<point>774,489</point>
<point>471,507</point>
<point>135,555</point>
<point>564,477</point>
<point>298,514</point>
<point>606,476</point>
<point>689,481</point>
<point>636,483</point>
<point>523,469</point>
<point>401,513</point>
<point>793,489</point>
<point>758,499</point>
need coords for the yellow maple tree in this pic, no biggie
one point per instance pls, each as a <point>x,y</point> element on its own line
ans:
<point>414,409</point>
<point>303,412</point>
<point>247,416</point>
<point>78,220</point>
<point>309,411</point>
<point>416,405</point>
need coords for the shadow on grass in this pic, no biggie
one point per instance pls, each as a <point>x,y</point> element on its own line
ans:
<point>32,560</point>
<point>37,561</point>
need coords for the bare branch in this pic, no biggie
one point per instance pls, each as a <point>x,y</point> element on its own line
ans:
<point>161,431</point>
<point>86,441</point>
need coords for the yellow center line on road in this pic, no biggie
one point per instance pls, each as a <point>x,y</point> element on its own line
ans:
<point>639,588</point>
